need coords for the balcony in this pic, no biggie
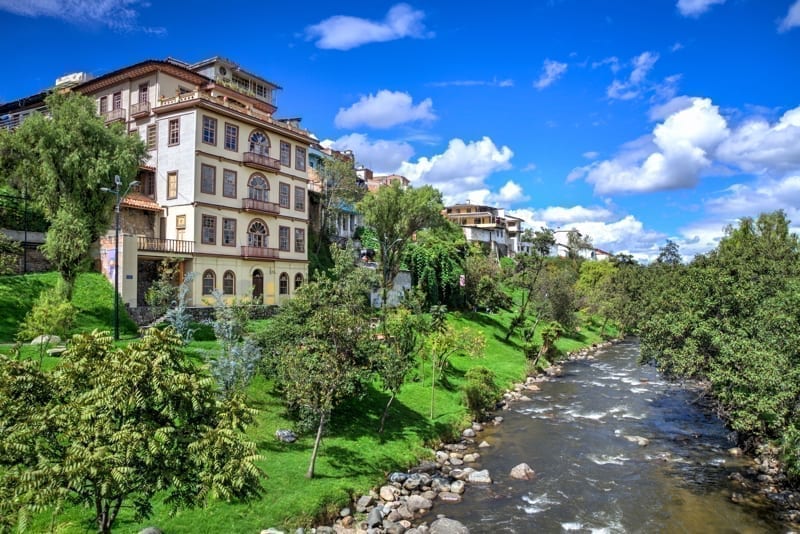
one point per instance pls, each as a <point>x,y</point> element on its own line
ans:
<point>173,246</point>
<point>260,253</point>
<point>251,204</point>
<point>262,162</point>
<point>114,115</point>
<point>140,109</point>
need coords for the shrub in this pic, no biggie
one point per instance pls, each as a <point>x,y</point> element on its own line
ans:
<point>480,391</point>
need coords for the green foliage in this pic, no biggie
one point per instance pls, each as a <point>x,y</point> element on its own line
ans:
<point>483,289</point>
<point>177,316</point>
<point>557,290</point>
<point>317,346</point>
<point>669,254</point>
<point>528,269</point>
<point>63,160</point>
<point>443,343</point>
<point>52,314</point>
<point>164,290</point>
<point>730,317</point>
<point>436,262</point>
<point>111,426</point>
<point>480,391</point>
<point>395,214</point>
<point>340,190</point>
<point>10,251</point>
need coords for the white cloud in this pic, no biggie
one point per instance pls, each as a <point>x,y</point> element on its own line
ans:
<point>792,18</point>
<point>695,8</point>
<point>494,82</point>
<point>551,71</point>
<point>633,86</point>
<point>115,14</point>
<point>757,146</point>
<point>562,215</point>
<point>384,110</point>
<point>510,193</point>
<point>592,154</point>
<point>381,156</point>
<point>461,170</point>
<point>748,200</point>
<point>664,110</point>
<point>673,157</point>
<point>612,61</point>
<point>343,32</point>
<point>677,46</point>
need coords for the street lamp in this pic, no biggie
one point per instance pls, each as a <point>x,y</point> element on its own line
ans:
<point>116,191</point>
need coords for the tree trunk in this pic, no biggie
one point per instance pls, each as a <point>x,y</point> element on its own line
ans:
<point>603,328</point>
<point>433,383</point>
<point>385,413</point>
<point>310,472</point>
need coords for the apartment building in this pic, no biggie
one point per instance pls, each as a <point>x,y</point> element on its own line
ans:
<point>225,186</point>
<point>488,226</point>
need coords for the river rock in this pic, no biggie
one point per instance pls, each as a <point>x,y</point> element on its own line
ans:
<point>442,456</point>
<point>393,527</point>
<point>398,477</point>
<point>479,477</point>
<point>440,484</point>
<point>363,503</point>
<point>425,467</point>
<point>554,371</point>
<point>375,517</point>
<point>46,340</point>
<point>389,493</point>
<point>416,503</point>
<point>477,427</point>
<point>471,458</point>
<point>444,525</point>
<point>411,483</point>
<point>484,445</point>
<point>457,486</point>
<point>468,433</point>
<point>522,472</point>
<point>449,496</point>
<point>639,440</point>
<point>735,451</point>
<point>456,461</point>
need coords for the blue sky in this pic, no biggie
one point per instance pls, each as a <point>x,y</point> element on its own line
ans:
<point>634,122</point>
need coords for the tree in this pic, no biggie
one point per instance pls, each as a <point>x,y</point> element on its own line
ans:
<point>528,268</point>
<point>669,254</point>
<point>63,160</point>
<point>595,286</point>
<point>577,242</point>
<point>483,288</point>
<point>396,214</point>
<point>10,251</point>
<point>111,426</point>
<point>318,344</point>
<point>340,190</point>
<point>436,261</point>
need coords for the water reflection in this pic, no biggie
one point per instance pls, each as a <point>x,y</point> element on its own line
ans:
<point>615,449</point>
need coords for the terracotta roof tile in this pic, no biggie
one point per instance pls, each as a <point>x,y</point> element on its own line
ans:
<point>141,202</point>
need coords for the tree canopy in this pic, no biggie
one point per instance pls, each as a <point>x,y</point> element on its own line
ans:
<point>62,160</point>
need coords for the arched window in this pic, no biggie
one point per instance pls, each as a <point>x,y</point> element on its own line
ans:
<point>298,281</point>
<point>258,188</point>
<point>229,283</point>
<point>259,143</point>
<point>257,234</point>
<point>283,284</point>
<point>209,282</point>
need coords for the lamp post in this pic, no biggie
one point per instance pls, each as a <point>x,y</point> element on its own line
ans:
<point>119,197</point>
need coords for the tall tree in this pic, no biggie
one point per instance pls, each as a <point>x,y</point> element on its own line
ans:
<point>62,160</point>
<point>669,254</point>
<point>436,261</point>
<point>528,268</point>
<point>339,192</point>
<point>318,345</point>
<point>396,214</point>
<point>114,426</point>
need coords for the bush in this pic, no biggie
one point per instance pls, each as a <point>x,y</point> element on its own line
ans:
<point>52,313</point>
<point>480,391</point>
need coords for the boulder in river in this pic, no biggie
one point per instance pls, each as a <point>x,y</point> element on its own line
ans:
<point>444,525</point>
<point>522,472</point>
<point>479,477</point>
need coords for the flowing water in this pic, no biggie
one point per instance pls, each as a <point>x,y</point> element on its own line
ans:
<point>580,432</point>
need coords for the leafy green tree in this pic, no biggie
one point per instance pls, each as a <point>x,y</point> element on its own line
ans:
<point>52,314</point>
<point>340,191</point>
<point>669,254</point>
<point>396,214</point>
<point>576,242</point>
<point>483,288</point>
<point>111,426</point>
<point>529,267</point>
<point>595,288</point>
<point>163,292</point>
<point>480,391</point>
<point>318,345</point>
<point>63,160</point>
<point>436,261</point>
<point>402,344</point>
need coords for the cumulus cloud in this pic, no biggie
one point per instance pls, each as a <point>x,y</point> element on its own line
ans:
<point>120,15</point>
<point>691,140</point>
<point>695,8</point>
<point>551,71</point>
<point>665,109</point>
<point>633,86</point>
<point>562,215</point>
<point>381,156</point>
<point>510,193</point>
<point>461,170</point>
<point>343,32</point>
<point>792,18</point>
<point>748,200</point>
<point>384,110</point>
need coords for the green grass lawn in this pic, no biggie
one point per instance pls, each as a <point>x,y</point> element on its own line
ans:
<point>353,457</point>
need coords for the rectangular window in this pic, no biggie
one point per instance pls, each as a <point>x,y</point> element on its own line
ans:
<point>229,183</point>
<point>180,222</point>
<point>208,179</point>
<point>103,104</point>
<point>172,184</point>
<point>299,158</point>
<point>283,195</point>
<point>286,154</point>
<point>144,90</point>
<point>117,103</point>
<point>174,132</point>
<point>229,232</point>
<point>283,238</point>
<point>209,236</point>
<point>231,137</point>
<point>299,240</point>
<point>152,136</point>
<point>299,199</point>
<point>209,130</point>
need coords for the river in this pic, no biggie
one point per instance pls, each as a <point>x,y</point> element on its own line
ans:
<point>579,435</point>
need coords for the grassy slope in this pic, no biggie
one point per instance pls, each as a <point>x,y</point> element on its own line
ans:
<point>93,296</point>
<point>353,457</point>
